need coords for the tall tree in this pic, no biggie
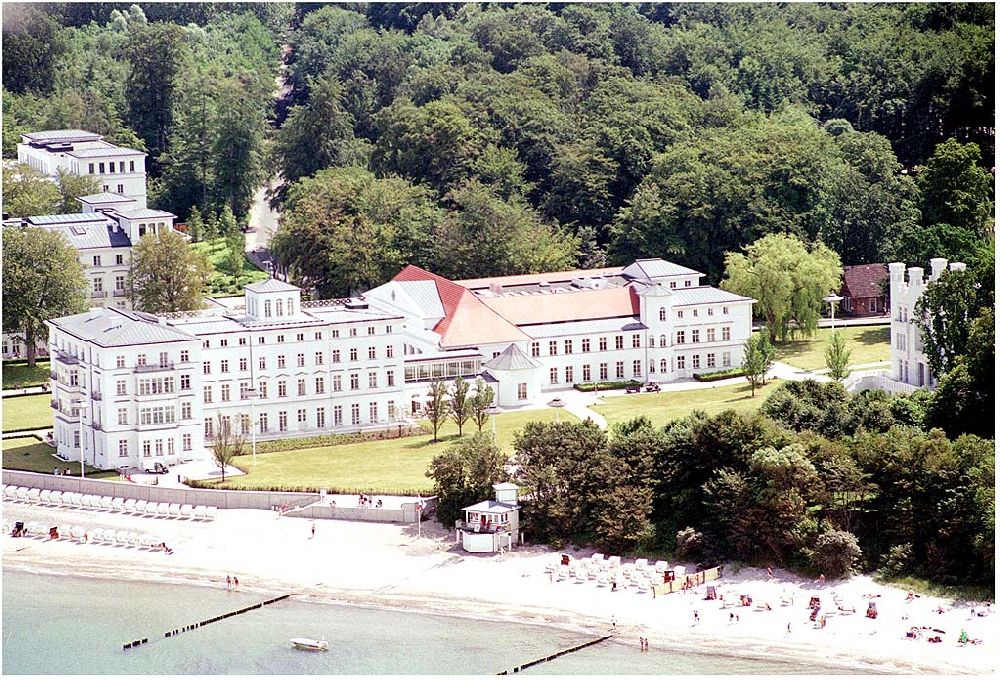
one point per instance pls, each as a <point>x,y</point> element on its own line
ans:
<point>758,357</point>
<point>482,400</point>
<point>228,442</point>
<point>42,279</point>
<point>153,52</point>
<point>238,150</point>
<point>436,408</point>
<point>166,274</point>
<point>32,45</point>
<point>788,280</point>
<point>956,190</point>
<point>188,176</point>
<point>71,187</point>
<point>946,311</point>
<point>459,402</point>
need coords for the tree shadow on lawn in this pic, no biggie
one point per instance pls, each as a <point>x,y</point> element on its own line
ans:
<point>875,336</point>
<point>430,442</point>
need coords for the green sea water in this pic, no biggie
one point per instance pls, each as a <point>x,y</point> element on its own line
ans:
<point>63,625</point>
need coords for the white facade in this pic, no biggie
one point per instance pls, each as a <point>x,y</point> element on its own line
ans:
<point>153,387</point>
<point>909,363</point>
<point>117,169</point>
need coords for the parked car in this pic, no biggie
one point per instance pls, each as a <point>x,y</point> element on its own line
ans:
<point>158,469</point>
<point>632,388</point>
<point>651,387</point>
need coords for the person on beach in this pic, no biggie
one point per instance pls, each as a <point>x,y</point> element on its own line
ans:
<point>696,619</point>
<point>236,583</point>
<point>822,579</point>
<point>313,530</point>
<point>229,582</point>
<point>789,628</point>
<point>770,573</point>
<point>614,621</point>
<point>732,617</point>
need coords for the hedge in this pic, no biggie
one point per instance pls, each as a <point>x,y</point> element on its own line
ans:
<point>616,385</point>
<point>276,445</point>
<point>720,375</point>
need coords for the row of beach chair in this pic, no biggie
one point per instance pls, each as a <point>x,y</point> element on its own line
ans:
<point>91,535</point>
<point>640,575</point>
<point>71,499</point>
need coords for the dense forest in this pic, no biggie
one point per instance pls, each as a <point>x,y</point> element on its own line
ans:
<point>505,138</point>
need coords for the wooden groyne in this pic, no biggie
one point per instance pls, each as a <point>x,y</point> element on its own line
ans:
<point>177,631</point>
<point>550,657</point>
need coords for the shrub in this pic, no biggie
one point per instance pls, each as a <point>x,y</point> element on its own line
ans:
<point>735,372</point>
<point>836,554</point>
<point>898,562</point>
<point>690,544</point>
<point>615,385</point>
<point>275,445</point>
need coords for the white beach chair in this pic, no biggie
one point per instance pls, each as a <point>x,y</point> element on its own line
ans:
<point>679,571</point>
<point>187,510</point>
<point>141,507</point>
<point>129,506</point>
<point>592,574</point>
<point>73,499</point>
<point>175,509</point>
<point>642,585</point>
<point>86,500</point>
<point>36,529</point>
<point>597,557</point>
<point>97,536</point>
<point>75,532</point>
<point>200,511</point>
<point>551,566</point>
<point>34,495</point>
<point>661,566</point>
<point>614,560</point>
<point>602,579</point>
<point>163,510</point>
<point>10,492</point>
<point>581,575</point>
<point>641,563</point>
<point>121,537</point>
<point>134,538</point>
<point>210,512</point>
<point>56,497</point>
<point>118,504</point>
<point>107,502</point>
<point>562,574</point>
<point>45,497</point>
<point>22,494</point>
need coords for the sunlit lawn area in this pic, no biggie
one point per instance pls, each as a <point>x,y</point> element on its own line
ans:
<point>31,455</point>
<point>868,344</point>
<point>382,466</point>
<point>22,413</point>
<point>663,407</point>
<point>20,375</point>
<point>222,281</point>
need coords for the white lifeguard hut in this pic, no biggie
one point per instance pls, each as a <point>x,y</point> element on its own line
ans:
<point>491,525</point>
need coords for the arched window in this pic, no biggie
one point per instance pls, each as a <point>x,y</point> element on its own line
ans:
<point>279,308</point>
<point>663,314</point>
<point>664,367</point>
<point>267,308</point>
<point>663,341</point>
<point>291,307</point>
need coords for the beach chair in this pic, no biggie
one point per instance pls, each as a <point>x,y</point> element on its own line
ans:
<point>641,563</point>
<point>846,611</point>
<point>628,569</point>
<point>134,539</point>
<point>602,579</point>
<point>118,504</point>
<point>661,566</point>
<point>210,512</point>
<point>45,497</point>
<point>592,574</point>
<point>86,500</point>
<point>34,495</point>
<point>22,494</point>
<point>56,498</point>
<point>614,560</point>
<point>642,586</point>
<point>175,509</point>
<point>581,575</point>
<point>10,492</point>
<point>140,507</point>
<point>121,537</point>
<point>73,499</point>
<point>187,511</point>
<point>200,511</point>
<point>106,502</point>
<point>129,506</point>
<point>679,571</point>
<point>597,557</point>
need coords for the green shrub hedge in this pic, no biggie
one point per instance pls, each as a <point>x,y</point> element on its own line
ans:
<point>597,387</point>
<point>276,445</point>
<point>719,375</point>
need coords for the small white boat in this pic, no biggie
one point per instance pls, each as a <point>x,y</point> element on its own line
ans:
<point>310,645</point>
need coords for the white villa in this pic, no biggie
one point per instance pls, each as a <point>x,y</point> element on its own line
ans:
<point>909,363</point>
<point>119,170</point>
<point>150,387</point>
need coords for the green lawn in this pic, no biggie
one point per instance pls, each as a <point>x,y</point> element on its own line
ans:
<point>381,466</point>
<point>20,413</point>
<point>663,407</point>
<point>868,344</point>
<point>31,455</point>
<point>223,282</point>
<point>16,376</point>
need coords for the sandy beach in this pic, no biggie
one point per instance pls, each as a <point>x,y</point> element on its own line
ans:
<point>386,565</point>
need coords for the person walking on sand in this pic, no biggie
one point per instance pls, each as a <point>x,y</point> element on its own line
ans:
<point>789,628</point>
<point>236,583</point>
<point>696,619</point>
<point>229,582</point>
<point>822,579</point>
<point>313,530</point>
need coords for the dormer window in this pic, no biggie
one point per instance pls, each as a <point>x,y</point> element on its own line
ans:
<point>291,306</point>
<point>279,308</point>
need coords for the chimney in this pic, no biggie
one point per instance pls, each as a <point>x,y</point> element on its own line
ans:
<point>938,265</point>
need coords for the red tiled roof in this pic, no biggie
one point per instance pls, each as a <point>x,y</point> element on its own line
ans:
<point>557,307</point>
<point>864,280</point>
<point>467,321</point>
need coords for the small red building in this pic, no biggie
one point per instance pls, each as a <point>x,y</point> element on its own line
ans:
<point>865,290</point>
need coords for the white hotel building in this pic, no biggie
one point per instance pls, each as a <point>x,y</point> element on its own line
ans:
<point>118,169</point>
<point>151,387</point>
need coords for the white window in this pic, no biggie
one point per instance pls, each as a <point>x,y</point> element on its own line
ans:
<point>710,335</point>
<point>301,386</point>
<point>282,421</point>
<point>725,332</point>
<point>123,416</point>
<point>726,359</point>
<point>373,410</point>
<point>185,410</point>
<point>663,314</point>
<point>186,442</point>
<point>710,360</point>
<point>320,385</point>
<point>225,392</point>
<point>355,409</point>
<point>680,337</point>
<point>123,448</point>
<point>522,391</point>
<point>553,376</point>
<point>680,363</point>
<point>120,361</point>
<point>321,417</point>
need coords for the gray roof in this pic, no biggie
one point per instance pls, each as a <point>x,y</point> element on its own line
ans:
<point>588,327</point>
<point>705,295</point>
<point>511,359</point>
<point>145,213</point>
<point>491,506</point>
<point>103,152</point>
<point>653,268</point>
<point>425,295</point>
<point>105,197</point>
<point>270,286</point>
<point>110,327</point>
<point>67,218</point>
<point>62,136</point>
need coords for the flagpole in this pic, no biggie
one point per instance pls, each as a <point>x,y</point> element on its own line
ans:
<point>420,511</point>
